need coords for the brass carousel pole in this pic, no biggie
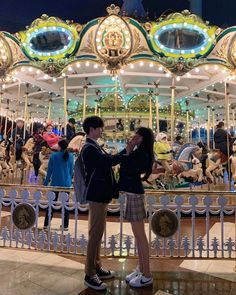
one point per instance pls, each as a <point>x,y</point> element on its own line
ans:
<point>49,109</point>
<point>199,129</point>
<point>65,104</point>
<point>227,128</point>
<point>187,120</point>
<point>233,120</point>
<point>26,109</point>
<point>208,126</point>
<point>116,99</point>
<point>96,102</point>
<point>157,108</point>
<point>12,123</point>
<point>172,109</point>
<point>213,126</point>
<point>150,109</point>
<point>6,121</point>
<point>85,98</point>
<point>1,97</point>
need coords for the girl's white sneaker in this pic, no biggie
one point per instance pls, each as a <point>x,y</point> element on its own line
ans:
<point>141,281</point>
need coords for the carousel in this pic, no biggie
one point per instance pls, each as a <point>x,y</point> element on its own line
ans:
<point>175,75</point>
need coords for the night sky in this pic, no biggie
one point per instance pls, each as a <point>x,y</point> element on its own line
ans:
<point>16,14</point>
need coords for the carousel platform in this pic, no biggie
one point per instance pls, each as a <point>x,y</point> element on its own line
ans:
<point>33,273</point>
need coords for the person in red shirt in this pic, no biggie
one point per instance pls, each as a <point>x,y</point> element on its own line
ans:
<point>51,138</point>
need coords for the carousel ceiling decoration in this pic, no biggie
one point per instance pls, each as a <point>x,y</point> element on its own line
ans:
<point>5,55</point>
<point>49,38</point>
<point>113,39</point>
<point>182,34</point>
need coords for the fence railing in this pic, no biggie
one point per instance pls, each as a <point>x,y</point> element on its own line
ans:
<point>206,223</point>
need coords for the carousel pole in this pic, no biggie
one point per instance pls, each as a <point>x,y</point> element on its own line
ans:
<point>213,126</point>
<point>96,102</point>
<point>6,121</point>
<point>227,127</point>
<point>157,108</point>
<point>49,109</point>
<point>199,129</point>
<point>12,123</point>
<point>85,98</point>
<point>116,99</point>
<point>1,97</point>
<point>187,120</point>
<point>65,104</point>
<point>233,120</point>
<point>208,126</point>
<point>26,109</point>
<point>150,109</point>
<point>172,109</point>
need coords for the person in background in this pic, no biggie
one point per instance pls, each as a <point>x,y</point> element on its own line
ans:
<point>38,138</point>
<point>177,144</point>
<point>60,173</point>
<point>220,137</point>
<point>162,150</point>
<point>19,138</point>
<point>70,129</point>
<point>137,163</point>
<point>50,137</point>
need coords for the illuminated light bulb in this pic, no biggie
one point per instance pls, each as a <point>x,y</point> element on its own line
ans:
<point>122,71</point>
<point>162,46</point>
<point>45,77</point>
<point>178,78</point>
<point>95,66</point>
<point>99,33</point>
<point>151,65</point>
<point>209,39</point>
<point>22,69</point>
<point>102,26</point>
<point>87,64</point>
<point>188,75</point>
<point>105,71</point>
<point>167,75</point>
<point>45,28</point>
<point>172,50</point>
<point>202,48</point>
<point>24,44</point>
<point>205,30</point>
<point>141,64</point>
<point>78,65</point>
<point>164,27</point>
<point>160,68</point>
<point>99,47</point>
<point>63,30</point>
<point>54,79</point>
<point>113,78</point>
<point>98,40</point>
<point>63,74</point>
<point>192,51</point>
<point>54,28</point>
<point>183,51</point>
<point>127,46</point>
<point>174,25</point>
<point>223,71</point>
<point>215,68</point>
<point>131,66</point>
<point>127,39</point>
<point>185,24</point>
<point>70,69</point>
<point>206,68</point>
<point>30,69</point>
<point>197,70</point>
<point>37,72</point>
<point>106,21</point>
<point>123,26</point>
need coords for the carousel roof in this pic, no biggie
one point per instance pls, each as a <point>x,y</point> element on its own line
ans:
<point>53,59</point>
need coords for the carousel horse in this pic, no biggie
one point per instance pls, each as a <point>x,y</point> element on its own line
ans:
<point>233,162</point>
<point>27,153</point>
<point>193,175</point>
<point>76,143</point>
<point>188,158</point>
<point>215,160</point>
<point>5,169</point>
<point>44,156</point>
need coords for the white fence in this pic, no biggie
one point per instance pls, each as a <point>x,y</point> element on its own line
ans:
<point>206,224</point>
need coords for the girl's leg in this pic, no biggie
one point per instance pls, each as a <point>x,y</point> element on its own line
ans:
<point>143,247</point>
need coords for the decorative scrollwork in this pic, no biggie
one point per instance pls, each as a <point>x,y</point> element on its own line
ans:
<point>113,9</point>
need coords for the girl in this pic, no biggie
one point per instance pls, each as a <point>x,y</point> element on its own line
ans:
<point>139,161</point>
<point>60,172</point>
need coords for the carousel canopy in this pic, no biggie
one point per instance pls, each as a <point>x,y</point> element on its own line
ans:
<point>55,60</point>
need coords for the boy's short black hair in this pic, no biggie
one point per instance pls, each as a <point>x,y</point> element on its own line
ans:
<point>94,122</point>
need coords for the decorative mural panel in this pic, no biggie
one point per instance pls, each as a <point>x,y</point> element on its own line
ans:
<point>5,54</point>
<point>113,40</point>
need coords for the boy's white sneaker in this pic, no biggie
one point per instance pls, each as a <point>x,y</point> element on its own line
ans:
<point>141,281</point>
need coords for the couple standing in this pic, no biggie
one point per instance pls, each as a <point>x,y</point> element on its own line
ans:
<point>135,160</point>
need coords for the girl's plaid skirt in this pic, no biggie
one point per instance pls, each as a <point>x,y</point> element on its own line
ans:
<point>134,209</point>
